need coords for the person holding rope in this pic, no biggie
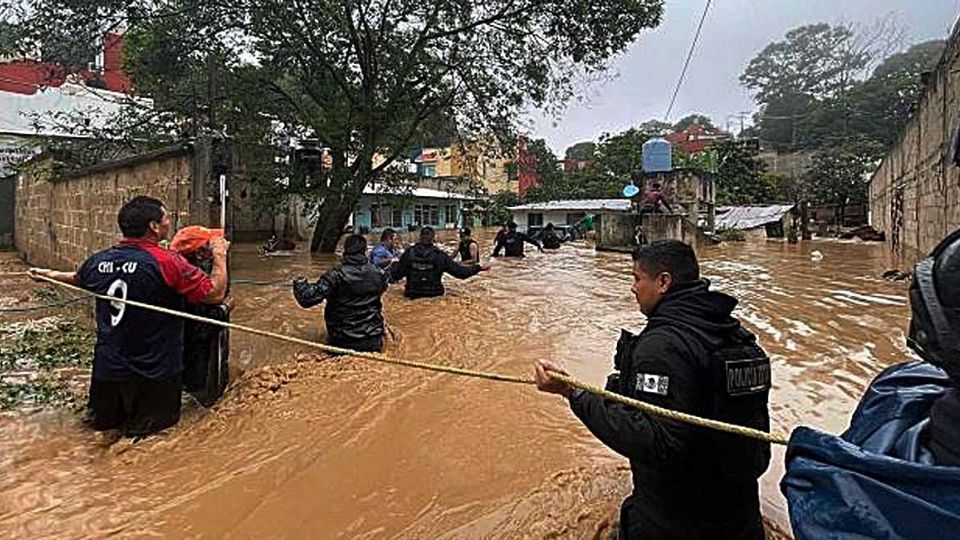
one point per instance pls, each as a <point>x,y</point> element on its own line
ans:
<point>693,356</point>
<point>138,357</point>
<point>354,313</point>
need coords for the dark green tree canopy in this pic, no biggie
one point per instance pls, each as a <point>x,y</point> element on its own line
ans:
<point>366,77</point>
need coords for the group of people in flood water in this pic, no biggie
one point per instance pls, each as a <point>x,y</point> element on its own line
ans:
<point>693,356</point>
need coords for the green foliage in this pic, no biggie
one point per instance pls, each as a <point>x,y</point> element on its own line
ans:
<point>368,79</point>
<point>581,150</point>
<point>815,94</point>
<point>498,212</point>
<point>32,353</point>
<point>689,120</point>
<point>741,177</point>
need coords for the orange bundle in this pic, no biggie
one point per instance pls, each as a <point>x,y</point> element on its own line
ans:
<point>190,239</point>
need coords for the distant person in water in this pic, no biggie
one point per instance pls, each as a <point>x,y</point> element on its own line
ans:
<point>549,237</point>
<point>511,243</point>
<point>469,249</point>
<point>274,244</point>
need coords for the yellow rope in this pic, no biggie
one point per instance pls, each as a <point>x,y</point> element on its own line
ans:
<point>646,407</point>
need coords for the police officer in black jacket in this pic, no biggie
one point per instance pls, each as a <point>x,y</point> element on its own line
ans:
<point>424,265</point>
<point>694,357</point>
<point>354,313</point>
<point>511,242</point>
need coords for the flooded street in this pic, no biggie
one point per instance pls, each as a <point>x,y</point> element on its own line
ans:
<point>307,446</point>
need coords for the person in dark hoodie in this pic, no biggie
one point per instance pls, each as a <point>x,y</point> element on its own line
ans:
<point>354,313</point>
<point>424,264</point>
<point>694,357</point>
<point>512,242</point>
<point>550,238</point>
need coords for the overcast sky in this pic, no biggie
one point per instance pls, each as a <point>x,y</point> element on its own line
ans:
<point>734,32</point>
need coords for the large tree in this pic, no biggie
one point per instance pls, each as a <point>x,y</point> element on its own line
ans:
<point>369,77</point>
<point>695,118</point>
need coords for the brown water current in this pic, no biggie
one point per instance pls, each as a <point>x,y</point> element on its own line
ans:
<point>308,446</point>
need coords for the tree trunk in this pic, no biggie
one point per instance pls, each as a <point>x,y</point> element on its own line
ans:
<point>804,222</point>
<point>332,217</point>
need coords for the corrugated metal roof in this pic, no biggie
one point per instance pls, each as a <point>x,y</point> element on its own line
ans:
<point>582,205</point>
<point>749,217</point>
<point>425,193</point>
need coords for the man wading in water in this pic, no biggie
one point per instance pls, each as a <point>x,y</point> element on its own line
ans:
<point>138,358</point>
<point>693,357</point>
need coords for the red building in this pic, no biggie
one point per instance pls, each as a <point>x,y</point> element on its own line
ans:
<point>29,76</point>
<point>695,138</point>
<point>526,167</point>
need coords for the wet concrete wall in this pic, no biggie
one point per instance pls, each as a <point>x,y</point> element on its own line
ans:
<point>915,194</point>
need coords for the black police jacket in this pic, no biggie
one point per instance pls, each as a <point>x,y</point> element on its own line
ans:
<point>689,482</point>
<point>352,291</point>
<point>424,265</point>
<point>511,243</point>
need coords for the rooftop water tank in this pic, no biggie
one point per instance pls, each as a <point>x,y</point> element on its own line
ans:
<point>657,156</point>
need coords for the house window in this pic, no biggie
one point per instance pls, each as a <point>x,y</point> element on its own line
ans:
<point>451,216</point>
<point>381,215</point>
<point>535,220</point>
<point>426,214</point>
<point>397,220</point>
<point>428,170</point>
<point>573,217</point>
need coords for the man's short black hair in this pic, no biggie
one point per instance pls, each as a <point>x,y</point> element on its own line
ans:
<point>512,225</point>
<point>656,185</point>
<point>134,217</point>
<point>387,234</point>
<point>672,256</point>
<point>355,243</point>
<point>427,234</point>
<point>466,231</point>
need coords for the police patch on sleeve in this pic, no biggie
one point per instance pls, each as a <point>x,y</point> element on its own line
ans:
<point>652,384</point>
<point>747,376</point>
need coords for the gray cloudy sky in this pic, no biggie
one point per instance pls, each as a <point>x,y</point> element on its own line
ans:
<point>735,30</point>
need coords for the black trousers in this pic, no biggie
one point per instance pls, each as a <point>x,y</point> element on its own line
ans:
<point>137,407</point>
<point>374,344</point>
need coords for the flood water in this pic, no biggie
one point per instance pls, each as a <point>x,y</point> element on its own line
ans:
<point>308,446</point>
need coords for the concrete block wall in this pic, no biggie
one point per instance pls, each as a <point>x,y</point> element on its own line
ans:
<point>62,221</point>
<point>915,194</point>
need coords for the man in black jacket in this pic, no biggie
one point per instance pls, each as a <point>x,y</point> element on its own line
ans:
<point>512,242</point>
<point>694,357</point>
<point>354,313</point>
<point>424,265</point>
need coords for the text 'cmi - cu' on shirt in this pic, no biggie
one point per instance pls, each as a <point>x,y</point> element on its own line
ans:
<point>135,342</point>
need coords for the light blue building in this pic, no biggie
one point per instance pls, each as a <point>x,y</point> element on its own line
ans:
<point>380,207</point>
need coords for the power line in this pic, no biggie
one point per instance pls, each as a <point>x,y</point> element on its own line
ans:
<point>683,73</point>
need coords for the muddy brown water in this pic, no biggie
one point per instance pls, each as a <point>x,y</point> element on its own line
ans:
<point>304,446</point>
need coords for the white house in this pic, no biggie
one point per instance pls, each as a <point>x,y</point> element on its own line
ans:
<point>536,215</point>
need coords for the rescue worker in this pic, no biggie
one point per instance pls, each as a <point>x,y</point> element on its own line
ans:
<point>206,347</point>
<point>385,253</point>
<point>138,358</point>
<point>694,357</point>
<point>512,242</point>
<point>354,312</point>
<point>469,249</point>
<point>549,237</point>
<point>424,264</point>
<point>895,472</point>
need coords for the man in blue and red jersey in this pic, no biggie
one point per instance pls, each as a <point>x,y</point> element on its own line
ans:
<point>138,358</point>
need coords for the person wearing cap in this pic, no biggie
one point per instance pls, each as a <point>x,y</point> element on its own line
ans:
<point>511,243</point>
<point>469,249</point>
<point>206,347</point>
<point>895,472</point>
<point>138,358</point>
<point>549,237</point>
<point>354,312</point>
